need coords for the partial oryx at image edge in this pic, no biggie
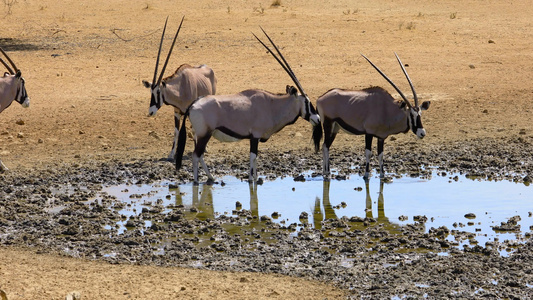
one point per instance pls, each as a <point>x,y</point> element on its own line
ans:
<point>251,114</point>
<point>12,87</point>
<point>179,89</point>
<point>372,112</point>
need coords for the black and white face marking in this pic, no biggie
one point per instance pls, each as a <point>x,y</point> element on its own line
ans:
<point>156,100</point>
<point>22,96</point>
<point>308,112</point>
<point>415,119</point>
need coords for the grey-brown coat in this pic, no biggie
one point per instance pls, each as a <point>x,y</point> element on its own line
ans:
<point>372,112</point>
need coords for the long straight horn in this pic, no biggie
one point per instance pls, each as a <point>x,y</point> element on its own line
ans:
<point>7,66</point>
<point>159,52</point>
<point>10,61</point>
<point>408,79</point>
<point>285,64</point>
<point>390,81</point>
<point>169,52</point>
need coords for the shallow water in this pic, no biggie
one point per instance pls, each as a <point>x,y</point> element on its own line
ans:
<point>444,200</point>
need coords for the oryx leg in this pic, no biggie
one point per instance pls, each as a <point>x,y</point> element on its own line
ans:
<point>368,154</point>
<point>381,144</point>
<point>254,143</point>
<point>198,155</point>
<point>172,155</point>
<point>330,132</point>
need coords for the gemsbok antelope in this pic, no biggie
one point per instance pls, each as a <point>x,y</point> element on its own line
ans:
<point>372,112</point>
<point>251,114</point>
<point>12,87</point>
<point>179,89</point>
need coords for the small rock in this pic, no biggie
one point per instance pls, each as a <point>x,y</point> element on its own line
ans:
<point>470,216</point>
<point>492,42</point>
<point>20,135</point>
<point>471,66</point>
<point>73,296</point>
<point>40,141</point>
<point>20,122</point>
<point>300,177</point>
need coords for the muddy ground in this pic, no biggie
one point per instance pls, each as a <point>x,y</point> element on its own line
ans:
<point>87,128</point>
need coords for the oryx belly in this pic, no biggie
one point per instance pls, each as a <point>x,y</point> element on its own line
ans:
<point>223,137</point>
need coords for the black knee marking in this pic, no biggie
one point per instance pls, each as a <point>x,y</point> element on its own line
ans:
<point>381,145</point>
<point>368,147</point>
<point>254,144</point>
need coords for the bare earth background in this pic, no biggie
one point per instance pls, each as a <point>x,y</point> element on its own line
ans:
<point>84,61</point>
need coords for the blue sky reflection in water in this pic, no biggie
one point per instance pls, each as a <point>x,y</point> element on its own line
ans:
<point>442,199</point>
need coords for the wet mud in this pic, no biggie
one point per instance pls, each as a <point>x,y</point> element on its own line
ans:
<point>53,210</point>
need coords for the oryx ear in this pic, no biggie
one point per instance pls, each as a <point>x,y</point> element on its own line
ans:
<point>6,74</point>
<point>18,74</point>
<point>164,84</point>
<point>291,90</point>
<point>425,105</point>
<point>402,105</point>
<point>146,84</point>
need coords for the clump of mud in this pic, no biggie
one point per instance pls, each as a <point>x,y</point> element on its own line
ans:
<point>50,209</point>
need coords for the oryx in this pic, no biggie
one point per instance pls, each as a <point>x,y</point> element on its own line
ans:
<point>12,87</point>
<point>251,114</point>
<point>372,112</point>
<point>179,89</point>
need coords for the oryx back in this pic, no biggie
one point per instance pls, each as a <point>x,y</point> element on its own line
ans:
<point>187,84</point>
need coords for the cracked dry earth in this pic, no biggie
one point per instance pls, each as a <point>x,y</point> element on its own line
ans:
<point>87,129</point>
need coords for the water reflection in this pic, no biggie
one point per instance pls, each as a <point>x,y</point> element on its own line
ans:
<point>382,218</point>
<point>320,215</point>
<point>444,199</point>
<point>201,206</point>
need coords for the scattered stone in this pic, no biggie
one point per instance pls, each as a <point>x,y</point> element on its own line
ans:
<point>73,296</point>
<point>300,178</point>
<point>20,122</point>
<point>470,216</point>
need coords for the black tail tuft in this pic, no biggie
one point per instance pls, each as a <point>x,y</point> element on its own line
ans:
<point>317,136</point>
<point>182,139</point>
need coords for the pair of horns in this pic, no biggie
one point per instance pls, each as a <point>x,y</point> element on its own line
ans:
<point>10,61</point>
<point>392,83</point>
<point>281,61</point>
<point>169,53</point>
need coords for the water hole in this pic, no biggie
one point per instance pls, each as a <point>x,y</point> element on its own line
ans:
<point>470,205</point>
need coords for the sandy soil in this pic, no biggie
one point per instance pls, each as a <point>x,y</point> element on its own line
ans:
<point>84,62</point>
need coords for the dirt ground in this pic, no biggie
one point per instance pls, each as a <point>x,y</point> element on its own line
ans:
<point>84,62</point>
